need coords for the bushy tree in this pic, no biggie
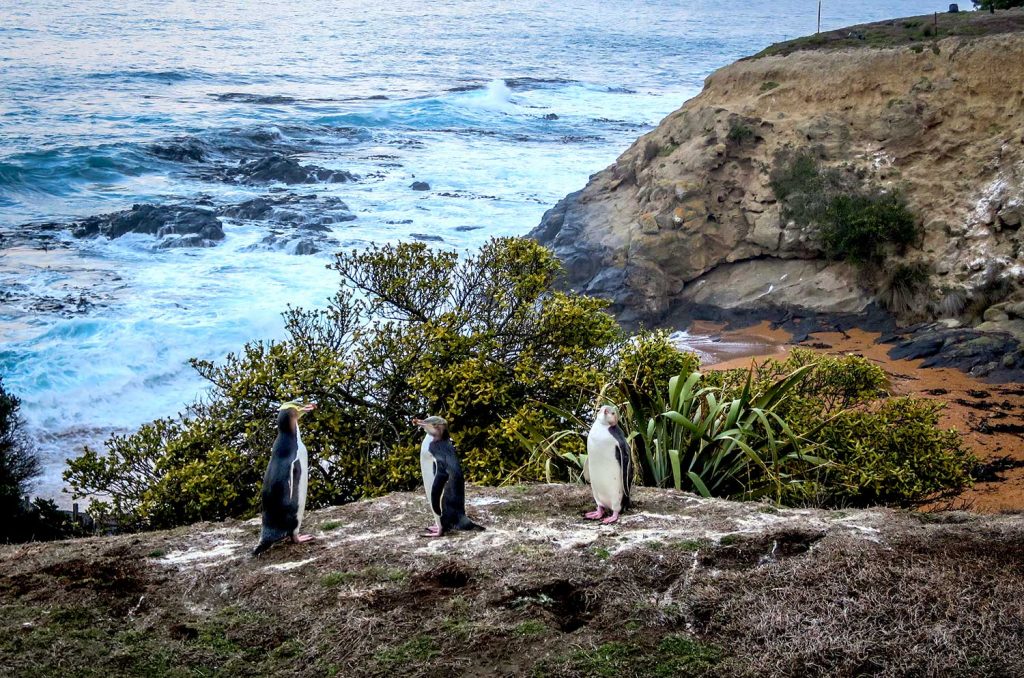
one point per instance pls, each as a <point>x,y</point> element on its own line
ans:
<point>21,520</point>
<point>998,4</point>
<point>481,340</point>
<point>18,463</point>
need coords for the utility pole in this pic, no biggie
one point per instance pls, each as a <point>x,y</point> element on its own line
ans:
<point>819,18</point>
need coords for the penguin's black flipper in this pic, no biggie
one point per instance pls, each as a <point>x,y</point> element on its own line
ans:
<point>437,490</point>
<point>624,456</point>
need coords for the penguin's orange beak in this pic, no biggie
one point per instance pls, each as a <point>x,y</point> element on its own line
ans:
<point>308,407</point>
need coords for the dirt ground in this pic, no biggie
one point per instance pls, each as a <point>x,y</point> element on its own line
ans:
<point>990,416</point>
<point>681,586</point>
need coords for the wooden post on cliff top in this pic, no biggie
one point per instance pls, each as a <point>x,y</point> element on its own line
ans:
<point>819,18</point>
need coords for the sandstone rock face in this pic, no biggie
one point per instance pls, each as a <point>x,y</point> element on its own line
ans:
<point>687,214</point>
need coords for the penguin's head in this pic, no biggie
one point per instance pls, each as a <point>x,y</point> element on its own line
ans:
<point>288,413</point>
<point>608,415</point>
<point>433,425</point>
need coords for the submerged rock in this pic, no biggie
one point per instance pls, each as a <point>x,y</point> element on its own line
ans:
<point>419,186</point>
<point>177,225</point>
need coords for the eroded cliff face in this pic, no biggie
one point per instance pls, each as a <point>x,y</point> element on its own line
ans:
<point>686,222</point>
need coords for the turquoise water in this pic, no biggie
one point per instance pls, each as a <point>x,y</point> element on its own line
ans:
<point>502,107</point>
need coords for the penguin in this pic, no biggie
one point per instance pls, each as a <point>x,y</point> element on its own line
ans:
<point>442,479</point>
<point>286,481</point>
<point>609,466</point>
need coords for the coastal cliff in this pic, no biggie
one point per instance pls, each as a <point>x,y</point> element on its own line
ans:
<point>686,224</point>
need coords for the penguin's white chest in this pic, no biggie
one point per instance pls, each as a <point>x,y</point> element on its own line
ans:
<point>427,467</point>
<point>302,458</point>
<point>605,471</point>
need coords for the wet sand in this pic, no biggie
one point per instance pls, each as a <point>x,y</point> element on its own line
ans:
<point>990,416</point>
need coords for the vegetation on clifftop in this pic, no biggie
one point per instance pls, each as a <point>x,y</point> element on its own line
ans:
<point>481,339</point>
<point>913,32</point>
<point>486,341</point>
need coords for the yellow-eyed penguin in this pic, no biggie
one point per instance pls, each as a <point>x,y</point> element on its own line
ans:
<point>442,479</point>
<point>609,465</point>
<point>286,480</point>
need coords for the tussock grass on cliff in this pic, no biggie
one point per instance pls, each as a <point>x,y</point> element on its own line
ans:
<point>914,32</point>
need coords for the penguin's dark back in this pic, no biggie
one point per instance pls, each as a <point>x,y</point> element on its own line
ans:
<point>278,508</point>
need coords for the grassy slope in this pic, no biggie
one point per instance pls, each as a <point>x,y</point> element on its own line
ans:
<point>682,586</point>
<point>919,30</point>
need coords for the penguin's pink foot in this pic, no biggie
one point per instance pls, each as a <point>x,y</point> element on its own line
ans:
<point>611,519</point>
<point>596,514</point>
<point>434,531</point>
<point>302,538</point>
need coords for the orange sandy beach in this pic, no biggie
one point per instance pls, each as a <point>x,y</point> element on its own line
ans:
<point>990,416</point>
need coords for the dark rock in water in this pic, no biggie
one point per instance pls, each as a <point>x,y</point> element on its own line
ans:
<point>186,241</point>
<point>426,237</point>
<point>305,246</point>
<point>398,221</point>
<point>299,211</point>
<point>302,222</point>
<point>279,168</point>
<point>464,229</point>
<point>180,149</point>
<point>551,116</point>
<point>420,186</point>
<point>246,98</point>
<point>196,227</point>
<point>294,242</point>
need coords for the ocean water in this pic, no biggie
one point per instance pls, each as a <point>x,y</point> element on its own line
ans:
<point>501,106</point>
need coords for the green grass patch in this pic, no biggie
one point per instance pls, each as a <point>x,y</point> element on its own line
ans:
<point>679,656</point>
<point>768,85</point>
<point>331,525</point>
<point>531,627</point>
<point>418,649</point>
<point>333,579</point>
<point>689,545</point>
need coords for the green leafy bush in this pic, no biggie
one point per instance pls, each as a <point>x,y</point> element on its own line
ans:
<point>740,133</point>
<point>810,429</point>
<point>880,450</point>
<point>481,339</point>
<point>855,222</point>
<point>892,452</point>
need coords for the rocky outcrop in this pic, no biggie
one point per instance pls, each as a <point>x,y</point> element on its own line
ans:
<point>300,224</point>
<point>174,225</point>
<point>687,219</point>
<point>281,169</point>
